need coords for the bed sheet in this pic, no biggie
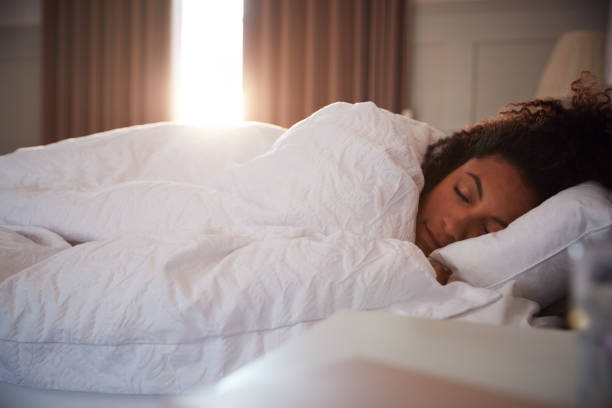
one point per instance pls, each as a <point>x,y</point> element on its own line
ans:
<point>16,396</point>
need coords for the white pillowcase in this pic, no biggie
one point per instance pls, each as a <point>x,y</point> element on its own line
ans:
<point>532,250</point>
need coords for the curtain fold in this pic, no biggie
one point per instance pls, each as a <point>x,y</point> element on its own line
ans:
<point>106,64</point>
<point>299,56</point>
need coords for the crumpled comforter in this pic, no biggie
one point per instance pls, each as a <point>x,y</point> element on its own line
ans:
<point>156,258</point>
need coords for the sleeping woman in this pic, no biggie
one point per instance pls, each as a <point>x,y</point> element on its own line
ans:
<point>481,178</point>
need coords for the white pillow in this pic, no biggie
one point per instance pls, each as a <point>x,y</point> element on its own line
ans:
<point>532,250</point>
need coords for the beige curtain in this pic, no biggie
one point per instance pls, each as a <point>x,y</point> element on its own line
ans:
<point>106,64</point>
<point>300,55</point>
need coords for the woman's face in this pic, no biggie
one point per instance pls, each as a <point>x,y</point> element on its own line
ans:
<point>481,196</point>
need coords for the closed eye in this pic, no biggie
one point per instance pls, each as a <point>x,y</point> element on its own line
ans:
<point>464,198</point>
<point>485,229</point>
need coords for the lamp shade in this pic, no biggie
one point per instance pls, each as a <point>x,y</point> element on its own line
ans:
<point>574,52</point>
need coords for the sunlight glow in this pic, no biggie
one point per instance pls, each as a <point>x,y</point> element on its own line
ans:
<point>208,62</point>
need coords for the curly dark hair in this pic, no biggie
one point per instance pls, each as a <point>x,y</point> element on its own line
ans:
<point>554,144</point>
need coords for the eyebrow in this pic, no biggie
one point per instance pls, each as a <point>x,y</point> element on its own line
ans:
<point>478,183</point>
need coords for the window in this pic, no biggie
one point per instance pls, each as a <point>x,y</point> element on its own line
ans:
<point>208,61</point>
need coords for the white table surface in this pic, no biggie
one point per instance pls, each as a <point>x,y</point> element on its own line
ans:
<point>534,364</point>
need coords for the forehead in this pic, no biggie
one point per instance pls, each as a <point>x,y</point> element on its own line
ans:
<point>504,190</point>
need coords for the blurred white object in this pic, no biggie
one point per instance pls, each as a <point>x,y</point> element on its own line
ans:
<point>592,315</point>
<point>375,359</point>
<point>574,52</point>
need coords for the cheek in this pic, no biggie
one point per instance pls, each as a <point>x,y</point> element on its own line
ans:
<point>433,203</point>
<point>423,208</point>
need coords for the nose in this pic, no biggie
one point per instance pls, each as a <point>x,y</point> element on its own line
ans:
<point>454,228</point>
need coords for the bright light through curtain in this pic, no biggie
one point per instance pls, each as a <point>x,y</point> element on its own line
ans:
<point>302,55</point>
<point>208,73</point>
<point>106,64</point>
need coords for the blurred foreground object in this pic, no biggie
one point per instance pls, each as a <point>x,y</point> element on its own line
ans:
<point>592,315</point>
<point>366,359</point>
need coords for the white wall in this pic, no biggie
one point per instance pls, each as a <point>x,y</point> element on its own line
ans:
<point>470,58</point>
<point>20,63</point>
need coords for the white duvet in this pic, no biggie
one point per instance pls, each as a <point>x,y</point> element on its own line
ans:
<point>152,259</point>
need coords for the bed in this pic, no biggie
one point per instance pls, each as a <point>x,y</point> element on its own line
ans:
<point>154,259</point>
